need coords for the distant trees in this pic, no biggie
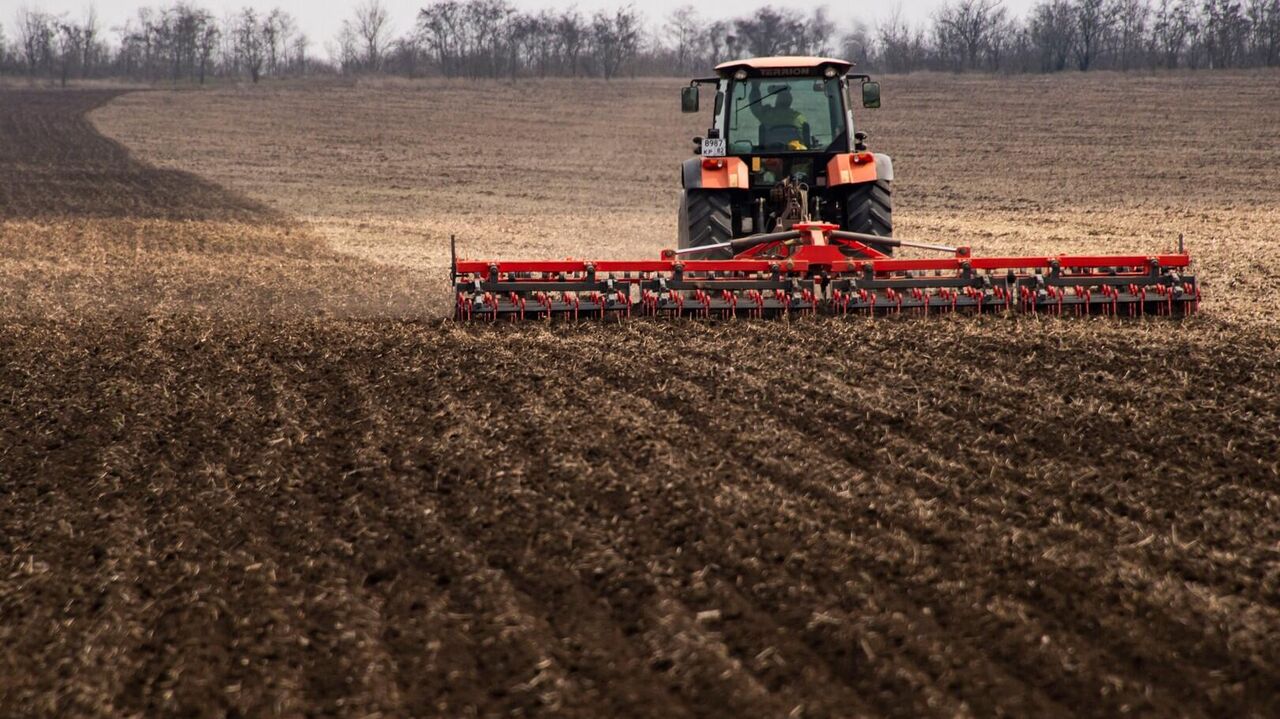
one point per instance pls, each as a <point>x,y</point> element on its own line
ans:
<point>683,30</point>
<point>902,47</point>
<point>1095,24</point>
<point>68,39</point>
<point>490,38</point>
<point>52,46</point>
<point>250,45</point>
<point>184,42</point>
<point>1264,40</point>
<point>768,32</point>
<point>180,42</point>
<point>1084,35</point>
<point>371,29</point>
<point>614,40</point>
<point>37,33</point>
<point>969,34</point>
<point>1052,34</point>
<point>1131,32</point>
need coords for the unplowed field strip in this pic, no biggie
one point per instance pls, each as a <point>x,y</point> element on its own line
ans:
<point>242,474</point>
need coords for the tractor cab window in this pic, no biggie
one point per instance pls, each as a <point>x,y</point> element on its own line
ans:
<point>767,115</point>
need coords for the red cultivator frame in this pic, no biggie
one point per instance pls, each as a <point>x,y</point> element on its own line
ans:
<point>815,267</point>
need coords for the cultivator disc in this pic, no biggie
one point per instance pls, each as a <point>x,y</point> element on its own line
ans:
<point>816,268</point>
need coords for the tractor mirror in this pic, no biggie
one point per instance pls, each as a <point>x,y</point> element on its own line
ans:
<point>871,94</point>
<point>689,99</point>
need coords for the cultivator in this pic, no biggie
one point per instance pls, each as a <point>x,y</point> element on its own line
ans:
<point>817,268</point>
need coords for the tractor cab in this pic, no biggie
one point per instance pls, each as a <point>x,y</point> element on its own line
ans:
<point>781,150</point>
<point>780,106</point>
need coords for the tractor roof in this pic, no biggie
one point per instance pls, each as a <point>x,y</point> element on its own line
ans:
<point>784,61</point>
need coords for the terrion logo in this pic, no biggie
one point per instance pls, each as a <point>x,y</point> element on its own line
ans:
<point>785,71</point>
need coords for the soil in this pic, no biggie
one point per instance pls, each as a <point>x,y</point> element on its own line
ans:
<point>246,469</point>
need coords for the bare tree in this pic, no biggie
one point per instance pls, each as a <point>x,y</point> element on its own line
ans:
<point>682,28</point>
<point>1131,30</point>
<point>1173,24</point>
<point>719,41</point>
<point>177,33</point>
<point>1095,20</point>
<point>207,37</point>
<point>439,27</point>
<point>298,53</point>
<point>1053,34</point>
<point>249,44</point>
<point>769,31</point>
<point>614,39</point>
<point>1226,32</point>
<point>406,53</point>
<point>89,47</point>
<point>813,35</point>
<point>36,38</point>
<point>1022,54</point>
<point>540,46</point>
<point>964,31</point>
<point>271,41</point>
<point>1264,36</point>
<point>485,45</point>
<point>69,39</point>
<point>347,50</point>
<point>373,28</point>
<point>857,44</point>
<point>1002,40</point>
<point>570,34</point>
<point>902,48</point>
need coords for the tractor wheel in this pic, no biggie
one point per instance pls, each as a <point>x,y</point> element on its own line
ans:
<point>868,208</point>
<point>706,218</point>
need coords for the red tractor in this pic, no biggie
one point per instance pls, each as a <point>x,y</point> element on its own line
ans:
<point>782,149</point>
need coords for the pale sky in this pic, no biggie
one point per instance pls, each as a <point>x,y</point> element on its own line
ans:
<point>321,20</point>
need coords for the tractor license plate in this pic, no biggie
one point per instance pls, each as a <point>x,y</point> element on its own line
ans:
<point>713,147</point>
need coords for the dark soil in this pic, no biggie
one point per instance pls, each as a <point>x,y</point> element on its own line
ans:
<point>233,508</point>
<point>56,164</point>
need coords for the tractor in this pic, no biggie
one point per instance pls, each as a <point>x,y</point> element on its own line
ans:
<point>782,149</point>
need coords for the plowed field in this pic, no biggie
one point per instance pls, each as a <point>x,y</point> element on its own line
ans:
<point>246,469</point>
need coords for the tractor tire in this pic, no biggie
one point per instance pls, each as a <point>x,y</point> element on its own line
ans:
<point>706,218</point>
<point>868,208</point>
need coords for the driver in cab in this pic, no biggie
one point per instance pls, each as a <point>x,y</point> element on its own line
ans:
<point>779,114</point>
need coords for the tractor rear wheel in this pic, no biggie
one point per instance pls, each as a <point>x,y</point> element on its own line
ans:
<point>868,208</point>
<point>706,218</point>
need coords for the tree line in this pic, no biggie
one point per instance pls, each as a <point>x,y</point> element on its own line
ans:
<point>182,42</point>
<point>185,42</point>
<point>1083,35</point>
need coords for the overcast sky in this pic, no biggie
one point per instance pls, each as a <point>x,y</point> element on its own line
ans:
<point>321,20</point>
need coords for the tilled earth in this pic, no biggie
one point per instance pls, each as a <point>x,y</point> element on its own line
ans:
<point>242,474</point>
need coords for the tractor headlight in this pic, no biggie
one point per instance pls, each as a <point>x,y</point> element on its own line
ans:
<point>829,73</point>
<point>740,75</point>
